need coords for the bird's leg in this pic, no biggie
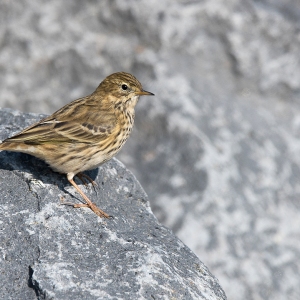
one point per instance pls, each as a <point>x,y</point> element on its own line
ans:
<point>89,203</point>
<point>82,175</point>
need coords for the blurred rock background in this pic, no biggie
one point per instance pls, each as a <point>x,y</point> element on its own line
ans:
<point>217,149</point>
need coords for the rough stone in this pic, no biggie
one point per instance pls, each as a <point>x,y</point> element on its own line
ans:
<point>53,251</point>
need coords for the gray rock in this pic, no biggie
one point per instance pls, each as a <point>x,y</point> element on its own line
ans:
<point>219,144</point>
<point>53,251</point>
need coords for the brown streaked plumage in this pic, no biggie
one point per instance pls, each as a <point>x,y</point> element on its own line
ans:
<point>84,133</point>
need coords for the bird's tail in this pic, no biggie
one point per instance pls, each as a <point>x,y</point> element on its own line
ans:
<point>13,146</point>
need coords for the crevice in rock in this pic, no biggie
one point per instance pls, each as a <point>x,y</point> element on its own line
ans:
<point>33,284</point>
<point>20,174</point>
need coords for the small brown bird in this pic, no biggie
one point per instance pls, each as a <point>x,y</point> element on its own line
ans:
<point>85,133</point>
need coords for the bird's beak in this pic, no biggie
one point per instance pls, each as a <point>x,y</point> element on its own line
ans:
<point>145,93</point>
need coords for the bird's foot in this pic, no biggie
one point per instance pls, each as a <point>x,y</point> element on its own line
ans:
<point>99,212</point>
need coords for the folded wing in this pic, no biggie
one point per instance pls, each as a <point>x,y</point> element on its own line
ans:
<point>55,129</point>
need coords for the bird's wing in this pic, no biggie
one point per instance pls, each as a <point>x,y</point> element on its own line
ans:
<point>88,127</point>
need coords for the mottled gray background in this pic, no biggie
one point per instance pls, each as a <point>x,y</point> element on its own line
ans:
<point>217,150</point>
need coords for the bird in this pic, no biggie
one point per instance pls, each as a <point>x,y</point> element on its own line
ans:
<point>84,133</point>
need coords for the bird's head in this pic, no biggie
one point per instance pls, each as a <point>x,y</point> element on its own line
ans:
<point>123,89</point>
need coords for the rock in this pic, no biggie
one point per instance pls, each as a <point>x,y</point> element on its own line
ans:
<point>53,251</point>
<point>219,141</point>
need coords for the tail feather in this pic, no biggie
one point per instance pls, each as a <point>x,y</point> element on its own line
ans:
<point>16,147</point>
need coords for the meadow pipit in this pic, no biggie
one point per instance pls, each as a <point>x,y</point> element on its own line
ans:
<point>84,133</point>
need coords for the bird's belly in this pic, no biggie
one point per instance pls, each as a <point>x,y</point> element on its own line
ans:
<point>99,158</point>
<point>79,157</point>
<point>95,161</point>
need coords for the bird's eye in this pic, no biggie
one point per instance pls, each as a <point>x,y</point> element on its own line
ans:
<point>124,87</point>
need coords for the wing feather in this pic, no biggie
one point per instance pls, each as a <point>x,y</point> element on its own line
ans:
<point>72,123</point>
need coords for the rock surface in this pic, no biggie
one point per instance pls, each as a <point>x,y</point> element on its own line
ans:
<point>218,147</point>
<point>53,251</point>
